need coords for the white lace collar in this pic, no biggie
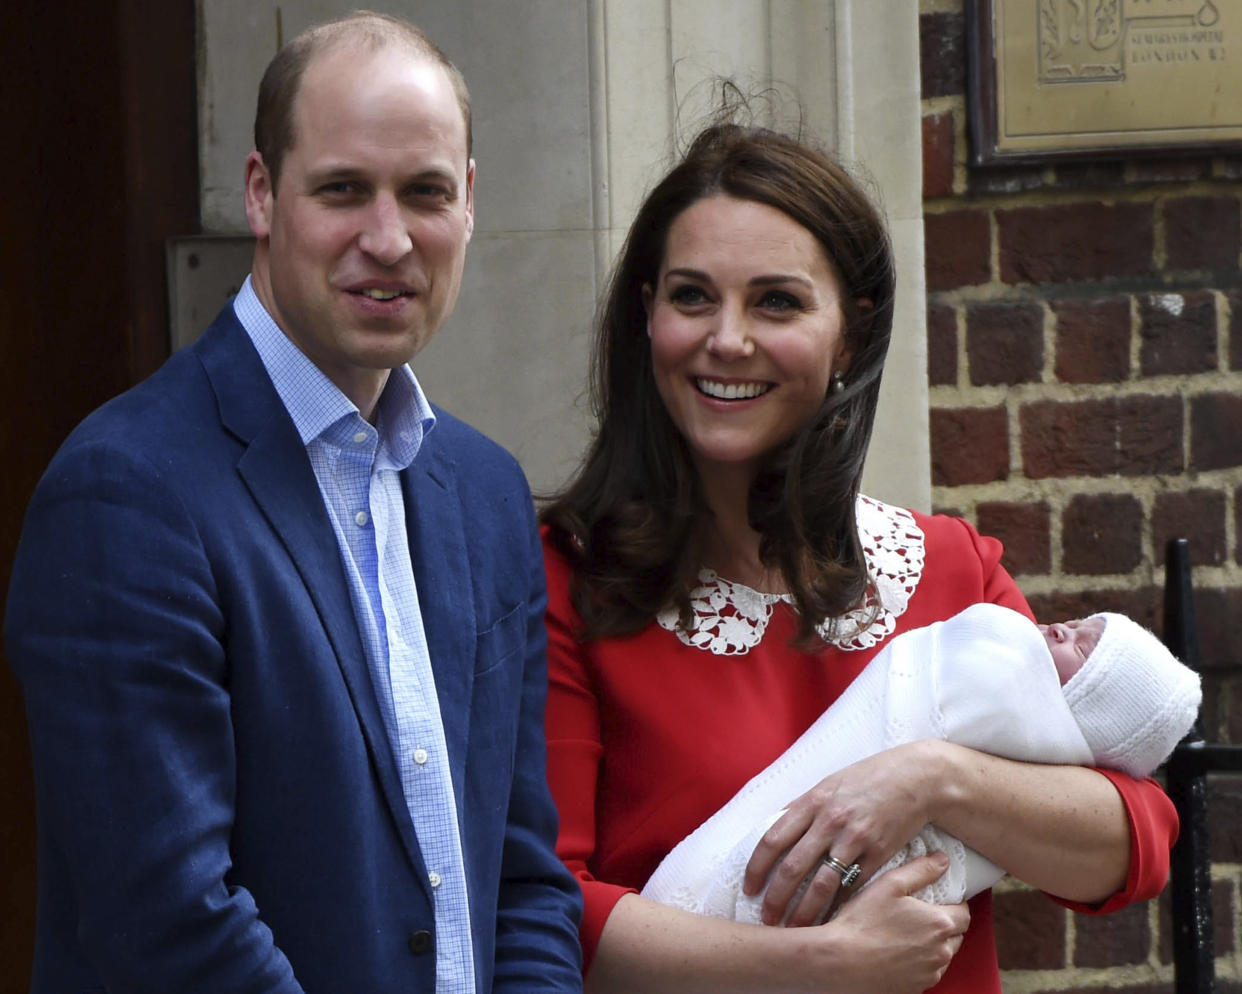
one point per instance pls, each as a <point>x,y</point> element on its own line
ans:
<point>730,619</point>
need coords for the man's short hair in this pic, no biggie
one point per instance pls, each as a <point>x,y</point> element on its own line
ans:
<point>273,120</point>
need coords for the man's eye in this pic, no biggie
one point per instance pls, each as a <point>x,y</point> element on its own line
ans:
<point>339,188</point>
<point>424,191</point>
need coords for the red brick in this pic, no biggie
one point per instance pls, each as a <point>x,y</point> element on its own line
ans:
<point>1202,233</point>
<point>1004,342</point>
<point>982,181</point>
<point>1071,242</point>
<point>958,248</point>
<point>1177,333</point>
<point>1143,604</point>
<point>1101,534</point>
<point>1223,925</point>
<point>1230,723</point>
<point>1117,939</point>
<point>1217,612</point>
<point>969,445</point>
<point>1215,431</point>
<point>1196,515</point>
<point>941,345</point>
<point>1171,170</point>
<point>1237,525</point>
<point>1130,436</point>
<point>1092,340</point>
<point>939,155</point>
<point>942,54</point>
<point>1224,799</point>
<point>1118,989</point>
<point>1220,718</point>
<point>1030,931</point>
<point>1089,175</point>
<point>1024,530</point>
<point>1235,330</point>
<point>1222,921</point>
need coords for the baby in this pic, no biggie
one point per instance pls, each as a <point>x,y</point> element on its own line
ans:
<point>1102,691</point>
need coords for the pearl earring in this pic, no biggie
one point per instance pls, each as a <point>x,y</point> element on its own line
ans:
<point>836,383</point>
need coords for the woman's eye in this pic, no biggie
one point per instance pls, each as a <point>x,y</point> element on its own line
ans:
<point>687,295</point>
<point>780,300</point>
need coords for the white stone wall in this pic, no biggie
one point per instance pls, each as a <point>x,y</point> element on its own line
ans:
<point>578,105</point>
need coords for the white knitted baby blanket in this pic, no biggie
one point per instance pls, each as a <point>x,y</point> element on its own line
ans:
<point>982,679</point>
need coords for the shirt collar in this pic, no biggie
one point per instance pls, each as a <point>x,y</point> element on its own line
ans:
<point>315,403</point>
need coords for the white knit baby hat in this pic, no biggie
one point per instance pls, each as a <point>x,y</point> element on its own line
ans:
<point>1132,699</point>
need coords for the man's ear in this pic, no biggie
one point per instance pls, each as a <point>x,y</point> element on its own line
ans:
<point>470,169</point>
<point>260,196</point>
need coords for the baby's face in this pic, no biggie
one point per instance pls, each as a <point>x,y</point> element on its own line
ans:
<point>1071,642</point>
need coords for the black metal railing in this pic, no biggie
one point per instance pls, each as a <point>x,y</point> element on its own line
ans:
<point>1190,875</point>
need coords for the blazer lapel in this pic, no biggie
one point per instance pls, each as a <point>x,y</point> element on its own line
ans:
<point>278,475</point>
<point>442,574</point>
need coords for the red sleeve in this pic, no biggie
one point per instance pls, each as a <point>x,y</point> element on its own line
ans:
<point>1153,830</point>
<point>574,750</point>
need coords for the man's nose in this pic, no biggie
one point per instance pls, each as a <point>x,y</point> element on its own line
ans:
<point>385,236</point>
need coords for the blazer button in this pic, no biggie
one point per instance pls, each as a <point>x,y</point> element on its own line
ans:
<point>420,942</point>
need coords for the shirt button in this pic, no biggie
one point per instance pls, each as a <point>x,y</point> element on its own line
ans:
<point>420,756</point>
<point>434,878</point>
<point>420,942</point>
<point>360,437</point>
<point>361,518</point>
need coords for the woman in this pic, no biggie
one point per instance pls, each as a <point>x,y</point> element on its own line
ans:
<point>716,581</point>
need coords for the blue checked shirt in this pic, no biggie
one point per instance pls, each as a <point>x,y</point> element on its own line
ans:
<point>357,467</point>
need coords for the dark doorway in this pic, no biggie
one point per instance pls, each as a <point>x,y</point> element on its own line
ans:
<point>100,167</point>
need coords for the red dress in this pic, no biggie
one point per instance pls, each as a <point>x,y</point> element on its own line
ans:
<point>648,736</point>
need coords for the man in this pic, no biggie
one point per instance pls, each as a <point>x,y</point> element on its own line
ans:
<point>279,623</point>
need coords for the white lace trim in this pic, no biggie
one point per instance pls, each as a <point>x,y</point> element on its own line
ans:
<point>730,619</point>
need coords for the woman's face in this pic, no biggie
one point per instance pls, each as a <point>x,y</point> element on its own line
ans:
<point>746,328</point>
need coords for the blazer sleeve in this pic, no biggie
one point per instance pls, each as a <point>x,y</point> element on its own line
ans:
<point>574,751</point>
<point>115,632</point>
<point>539,902</point>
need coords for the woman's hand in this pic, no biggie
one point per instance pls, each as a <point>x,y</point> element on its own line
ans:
<point>861,814</point>
<point>899,943</point>
<point>883,942</point>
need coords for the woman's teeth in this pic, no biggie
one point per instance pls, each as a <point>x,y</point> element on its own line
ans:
<point>731,391</point>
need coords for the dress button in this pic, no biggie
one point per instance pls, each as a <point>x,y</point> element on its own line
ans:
<point>434,878</point>
<point>361,519</point>
<point>420,942</point>
<point>360,437</point>
<point>420,756</point>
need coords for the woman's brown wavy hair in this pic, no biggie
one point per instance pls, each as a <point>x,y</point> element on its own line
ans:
<point>626,522</point>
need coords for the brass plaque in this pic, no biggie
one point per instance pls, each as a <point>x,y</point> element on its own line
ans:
<point>1104,77</point>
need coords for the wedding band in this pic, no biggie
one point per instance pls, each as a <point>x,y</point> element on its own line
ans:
<point>849,874</point>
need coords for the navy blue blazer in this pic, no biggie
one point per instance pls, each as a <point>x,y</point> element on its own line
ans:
<point>218,805</point>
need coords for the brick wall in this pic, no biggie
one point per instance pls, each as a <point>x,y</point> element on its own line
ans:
<point>1085,366</point>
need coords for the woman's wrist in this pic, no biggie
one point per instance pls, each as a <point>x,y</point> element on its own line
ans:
<point>939,776</point>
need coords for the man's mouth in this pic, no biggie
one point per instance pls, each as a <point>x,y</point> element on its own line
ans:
<point>377,294</point>
<point>731,391</point>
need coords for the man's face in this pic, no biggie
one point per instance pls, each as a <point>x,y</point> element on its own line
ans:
<point>361,248</point>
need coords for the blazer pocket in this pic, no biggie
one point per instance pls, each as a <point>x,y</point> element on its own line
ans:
<point>496,644</point>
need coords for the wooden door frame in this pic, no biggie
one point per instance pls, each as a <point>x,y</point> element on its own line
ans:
<point>101,168</point>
